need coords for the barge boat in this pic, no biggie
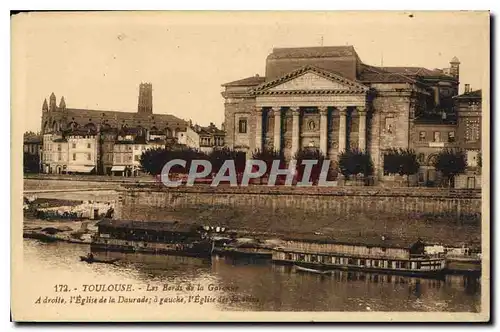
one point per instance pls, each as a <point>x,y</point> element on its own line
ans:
<point>154,237</point>
<point>381,258</point>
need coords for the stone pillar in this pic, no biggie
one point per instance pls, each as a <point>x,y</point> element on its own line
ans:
<point>362,128</point>
<point>295,130</point>
<point>342,129</point>
<point>277,128</point>
<point>258,128</point>
<point>323,130</point>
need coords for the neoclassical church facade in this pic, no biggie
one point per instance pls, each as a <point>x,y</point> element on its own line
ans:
<point>326,98</point>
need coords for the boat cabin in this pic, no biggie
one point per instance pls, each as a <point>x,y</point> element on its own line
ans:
<point>371,256</point>
<point>150,231</point>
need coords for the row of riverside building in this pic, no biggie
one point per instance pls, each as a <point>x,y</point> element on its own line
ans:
<point>324,98</point>
<point>82,141</point>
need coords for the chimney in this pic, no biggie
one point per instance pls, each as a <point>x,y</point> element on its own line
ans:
<point>467,88</point>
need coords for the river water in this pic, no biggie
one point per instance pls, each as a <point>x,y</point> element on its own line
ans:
<point>251,285</point>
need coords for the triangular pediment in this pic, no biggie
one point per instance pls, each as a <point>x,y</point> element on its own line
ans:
<point>310,79</point>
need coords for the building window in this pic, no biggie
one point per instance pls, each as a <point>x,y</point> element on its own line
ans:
<point>421,136</point>
<point>89,145</point>
<point>74,156</point>
<point>437,136</point>
<point>451,136</point>
<point>135,147</point>
<point>389,125</point>
<point>421,158</point>
<point>58,147</point>
<point>472,158</point>
<point>89,156</point>
<point>242,126</point>
<point>136,157</point>
<point>73,145</point>
<point>472,131</point>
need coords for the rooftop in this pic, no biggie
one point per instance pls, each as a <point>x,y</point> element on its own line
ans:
<point>476,94</point>
<point>166,226</point>
<point>312,52</point>
<point>249,81</point>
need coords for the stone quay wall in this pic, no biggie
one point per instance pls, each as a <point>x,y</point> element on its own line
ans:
<point>445,216</point>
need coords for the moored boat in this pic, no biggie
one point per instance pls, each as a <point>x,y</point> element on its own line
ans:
<point>381,258</point>
<point>236,252</point>
<point>98,260</point>
<point>299,268</point>
<point>154,237</point>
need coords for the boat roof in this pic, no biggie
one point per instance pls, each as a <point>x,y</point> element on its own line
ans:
<point>166,226</point>
<point>369,241</point>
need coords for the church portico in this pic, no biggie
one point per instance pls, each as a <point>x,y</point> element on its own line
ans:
<point>292,128</point>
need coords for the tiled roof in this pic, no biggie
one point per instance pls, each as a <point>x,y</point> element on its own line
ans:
<point>374,74</point>
<point>80,132</point>
<point>166,226</point>
<point>210,131</point>
<point>32,139</point>
<point>119,114</point>
<point>414,71</point>
<point>312,52</point>
<point>249,81</point>
<point>472,94</point>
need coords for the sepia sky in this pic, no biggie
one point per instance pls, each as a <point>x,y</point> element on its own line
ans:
<point>97,60</point>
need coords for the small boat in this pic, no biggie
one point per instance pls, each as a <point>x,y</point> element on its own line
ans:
<point>305,269</point>
<point>98,260</point>
<point>243,252</point>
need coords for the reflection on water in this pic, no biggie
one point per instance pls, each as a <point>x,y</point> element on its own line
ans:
<point>258,285</point>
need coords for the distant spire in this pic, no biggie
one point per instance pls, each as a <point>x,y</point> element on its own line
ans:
<point>382,59</point>
<point>321,40</point>
<point>62,103</point>
<point>52,102</point>
<point>45,106</point>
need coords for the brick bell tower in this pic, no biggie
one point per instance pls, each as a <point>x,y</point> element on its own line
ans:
<point>145,105</point>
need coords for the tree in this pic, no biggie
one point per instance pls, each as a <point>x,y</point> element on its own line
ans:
<point>391,161</point>
<point>153,161</point>
<point>401,161</point>
<point>219,155</point>
<point>31,163</point>
<point>450,162</point>
<point>268,155</point>
<point>409,164</point>
<point>354,162</point>
<point>309,154</point>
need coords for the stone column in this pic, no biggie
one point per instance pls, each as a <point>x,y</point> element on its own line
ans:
<point>323,130</point>
<point>362,128</point>
<point>295,130</point>
<point>258,128</point>
<point>342,128</point>
<point>277,128</point>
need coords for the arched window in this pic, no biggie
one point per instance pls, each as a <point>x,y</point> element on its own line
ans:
<point>90,126</point>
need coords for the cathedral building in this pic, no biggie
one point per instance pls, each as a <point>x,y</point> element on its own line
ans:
<point>83,140</point>
<point>61,118</point>
<point>326,98</point>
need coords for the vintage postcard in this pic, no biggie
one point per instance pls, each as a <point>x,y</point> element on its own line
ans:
<point>250,166</point>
